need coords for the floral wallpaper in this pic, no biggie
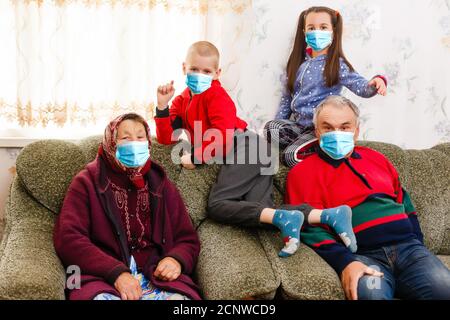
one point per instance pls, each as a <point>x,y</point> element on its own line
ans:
<point>410,47</point>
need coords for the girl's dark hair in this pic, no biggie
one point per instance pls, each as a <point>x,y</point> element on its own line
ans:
<point>298,54</point>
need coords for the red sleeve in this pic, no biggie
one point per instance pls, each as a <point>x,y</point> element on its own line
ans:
<point>302,187</point>
<point>222,119</point>
<point>164,120</point>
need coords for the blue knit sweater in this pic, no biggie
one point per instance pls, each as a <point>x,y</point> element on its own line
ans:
<point>310,89</point>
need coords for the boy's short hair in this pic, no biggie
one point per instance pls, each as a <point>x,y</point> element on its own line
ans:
<point>204,49</point>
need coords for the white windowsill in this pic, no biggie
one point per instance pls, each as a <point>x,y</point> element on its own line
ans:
<point>20,137</point>
<point>19,142</point>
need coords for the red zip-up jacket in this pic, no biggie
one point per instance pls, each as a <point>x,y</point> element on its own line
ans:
<point>214,109</point>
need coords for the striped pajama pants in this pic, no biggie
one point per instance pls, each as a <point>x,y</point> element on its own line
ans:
<point>295,142</point>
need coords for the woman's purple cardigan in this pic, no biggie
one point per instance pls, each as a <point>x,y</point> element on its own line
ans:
<point>89,233</point>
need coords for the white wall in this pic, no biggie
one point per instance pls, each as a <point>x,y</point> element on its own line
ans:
<point>407,40</point>
<point>7,170</point>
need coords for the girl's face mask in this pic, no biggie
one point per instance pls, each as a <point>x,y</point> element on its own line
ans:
<point>318,40</point>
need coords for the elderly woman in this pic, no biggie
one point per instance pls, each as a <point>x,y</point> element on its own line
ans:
<point>125,225</point>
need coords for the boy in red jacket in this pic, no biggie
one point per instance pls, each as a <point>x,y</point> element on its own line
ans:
<point>242,194</point>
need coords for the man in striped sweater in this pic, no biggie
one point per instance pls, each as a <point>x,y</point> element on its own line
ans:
<point>391,257</point>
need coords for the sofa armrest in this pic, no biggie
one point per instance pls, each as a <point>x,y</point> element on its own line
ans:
<point>232,264</point>
<point>29,266</point>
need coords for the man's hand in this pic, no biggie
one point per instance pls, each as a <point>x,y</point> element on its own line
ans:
<point>351,275</point>
<point>168,269</point>
<point>379,84</point>
<point>128,287</point>
<point>186,161</point>
<point>164,94</point>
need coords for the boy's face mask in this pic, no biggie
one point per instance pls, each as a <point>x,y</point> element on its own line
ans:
<point>198,82</point>
<point>133,154</point>
<point>337,144</point>
<point>319,39</point>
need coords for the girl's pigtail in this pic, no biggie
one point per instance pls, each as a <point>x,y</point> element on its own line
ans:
<point>335,53</point>
<point>298,53</point>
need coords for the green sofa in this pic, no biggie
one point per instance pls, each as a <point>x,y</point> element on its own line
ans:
<point>234,263</point>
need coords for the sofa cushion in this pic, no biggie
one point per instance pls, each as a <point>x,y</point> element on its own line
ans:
<point>445,260</point>
<point>194,186</point>
<point>303,275</point>
<point>279,185</point>
<point>445,246</point>
<point>162,154</point>
<point>46,169</point>
<point>443,147</point>
<point>232,264</point>
<point>89,147</point>
<point>428,184</point>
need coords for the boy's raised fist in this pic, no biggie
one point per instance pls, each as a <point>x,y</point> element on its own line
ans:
<point>164,94</point>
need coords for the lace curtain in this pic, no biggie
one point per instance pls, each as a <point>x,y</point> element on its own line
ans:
<point>81,62</point>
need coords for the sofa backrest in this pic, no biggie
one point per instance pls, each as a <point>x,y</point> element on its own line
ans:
<point>46,168</point>
<point>425,174</point>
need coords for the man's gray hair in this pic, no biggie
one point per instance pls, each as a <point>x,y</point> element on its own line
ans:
<point>336,101</point>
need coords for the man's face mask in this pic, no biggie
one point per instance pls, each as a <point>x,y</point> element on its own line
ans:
<point>133,154</point>
<point>337,144</point>
<point>198,82</point>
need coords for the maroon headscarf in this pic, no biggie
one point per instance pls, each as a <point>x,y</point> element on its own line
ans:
<point>108,149</point>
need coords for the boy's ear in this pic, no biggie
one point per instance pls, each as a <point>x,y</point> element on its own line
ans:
<point>218,73</point>
<point>184,68</point>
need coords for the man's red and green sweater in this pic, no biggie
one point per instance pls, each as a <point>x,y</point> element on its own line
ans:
<point>383,213</point>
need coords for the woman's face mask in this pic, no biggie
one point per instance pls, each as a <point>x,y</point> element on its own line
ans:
<point>337,144</point>
<point>132,144</point>
<point>133,154</point>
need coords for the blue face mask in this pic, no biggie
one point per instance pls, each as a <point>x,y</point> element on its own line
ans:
<point>198,82</point>
<point>337,144</point>
<point>319,39</point>
<point>133,154</point>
